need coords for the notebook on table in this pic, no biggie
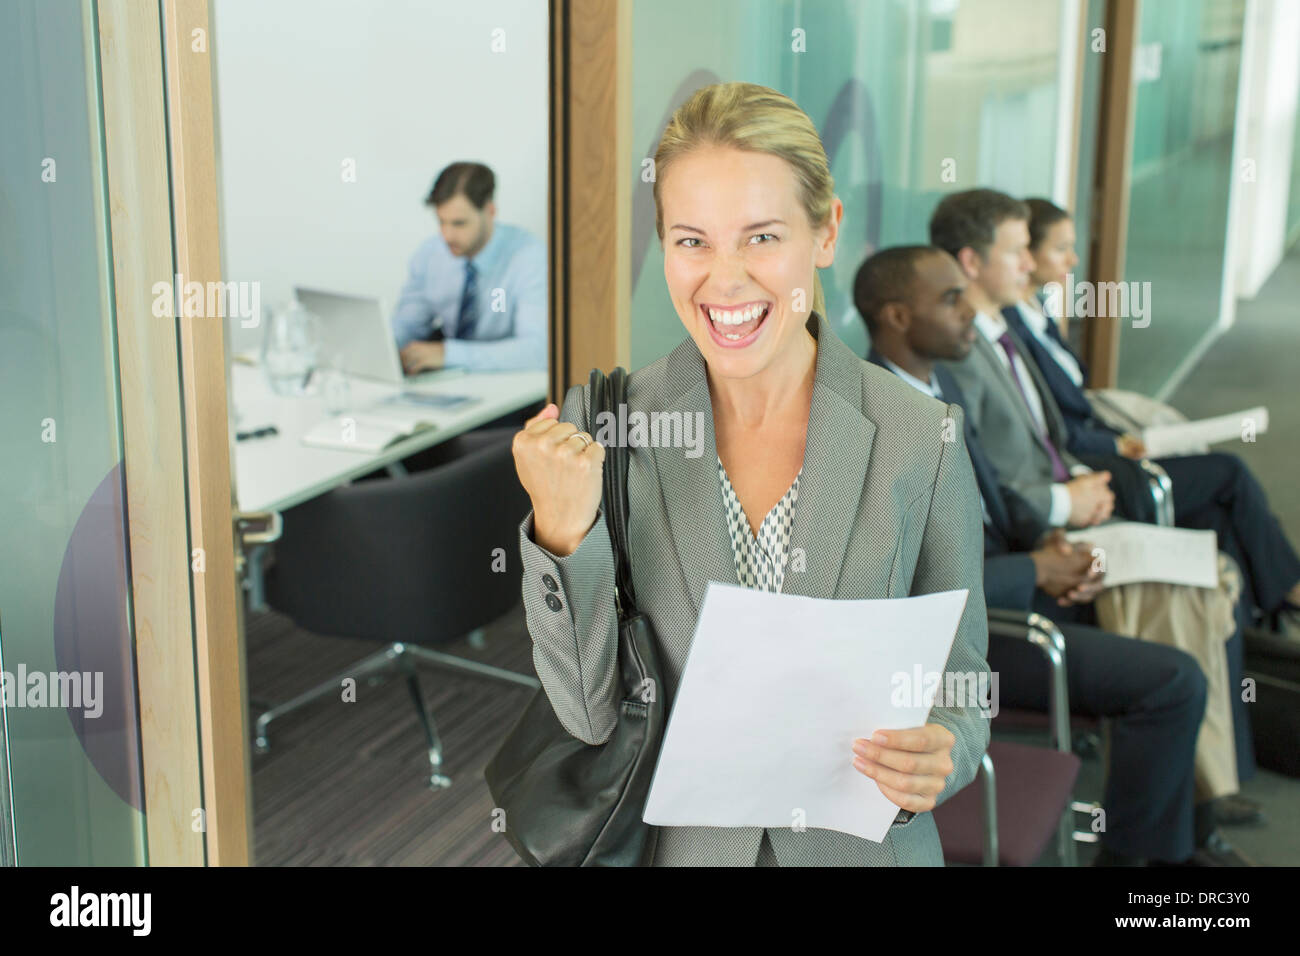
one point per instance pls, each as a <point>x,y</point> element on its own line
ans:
<point>364,432</point>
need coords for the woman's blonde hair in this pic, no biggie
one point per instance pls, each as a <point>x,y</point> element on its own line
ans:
<point>756,119</point>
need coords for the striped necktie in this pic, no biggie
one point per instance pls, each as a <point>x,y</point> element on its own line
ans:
<point>468,316</point>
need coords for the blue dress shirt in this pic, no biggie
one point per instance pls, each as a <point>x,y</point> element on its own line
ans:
<point>509,326</point>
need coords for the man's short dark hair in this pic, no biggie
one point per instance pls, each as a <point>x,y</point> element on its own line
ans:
<point>1043,215</point>
<point>474,181</point>
<point>886,277</point>
<point>971,218</point>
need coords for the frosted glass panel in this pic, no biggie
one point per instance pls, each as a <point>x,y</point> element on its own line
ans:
<point>1293,205</point>
<point>72,740</point>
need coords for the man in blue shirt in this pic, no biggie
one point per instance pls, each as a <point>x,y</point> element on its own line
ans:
<point>476,293</point>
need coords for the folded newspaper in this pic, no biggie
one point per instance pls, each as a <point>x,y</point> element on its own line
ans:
<point>1189,437</point>
<point>1128,551</point>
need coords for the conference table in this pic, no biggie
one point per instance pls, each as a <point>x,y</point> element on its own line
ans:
<point>275,472</point>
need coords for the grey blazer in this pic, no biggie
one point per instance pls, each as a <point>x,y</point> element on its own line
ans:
<point>1006,430</point>
<point>887,508</point>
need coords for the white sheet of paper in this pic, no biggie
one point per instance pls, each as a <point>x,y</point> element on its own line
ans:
<point>1144,552</point>
<point>776,689</point>
<point>1186,437</point>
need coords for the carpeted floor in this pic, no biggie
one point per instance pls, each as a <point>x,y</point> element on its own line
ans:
<point>1253,363</point>
<point>347,783</point>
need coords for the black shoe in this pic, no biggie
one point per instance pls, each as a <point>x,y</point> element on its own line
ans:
<point>1086,746</point>
<point>1215,851</point>
<point>1223,851</point>
<point>1237,811</point>
<point>1286,621</point>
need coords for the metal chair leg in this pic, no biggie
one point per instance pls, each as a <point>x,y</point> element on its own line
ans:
<point>255,580</point>
<point>1162,492</point>
<point>437,779</point>
<point>471,667</point>
<point>376,662</point>
<point>989,795</point>
<point>404,655</point>
<point>1066,850</point>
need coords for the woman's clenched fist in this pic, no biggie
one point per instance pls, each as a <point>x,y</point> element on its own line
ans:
<point>561,468</point>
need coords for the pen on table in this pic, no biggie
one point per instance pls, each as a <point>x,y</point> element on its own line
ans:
<point>258,433</point>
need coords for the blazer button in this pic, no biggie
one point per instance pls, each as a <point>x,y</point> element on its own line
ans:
<point>550,583</point>
<point>553,602</point>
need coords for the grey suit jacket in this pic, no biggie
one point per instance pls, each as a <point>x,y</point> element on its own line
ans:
<point>1007,431</point>
<point>887,508</point>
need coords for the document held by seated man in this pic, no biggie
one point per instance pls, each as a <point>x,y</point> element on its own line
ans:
<point>776,689</point>
<point>1188,437</point>
<point>1132,551</point>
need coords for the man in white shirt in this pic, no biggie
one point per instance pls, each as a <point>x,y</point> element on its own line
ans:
<point>987,233</point>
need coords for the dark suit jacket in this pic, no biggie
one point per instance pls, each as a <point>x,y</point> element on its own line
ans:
<point>1014,529</point>
<point>1088,435</point>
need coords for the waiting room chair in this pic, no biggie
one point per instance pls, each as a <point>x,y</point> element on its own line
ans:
<point>413,562</point>
<point>1162,492</point>
<point>1031,786</point>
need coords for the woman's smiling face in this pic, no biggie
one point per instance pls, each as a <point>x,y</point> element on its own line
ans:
<point>739,256</point>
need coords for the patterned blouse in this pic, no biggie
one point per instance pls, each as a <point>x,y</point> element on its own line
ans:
<point>761,562</point>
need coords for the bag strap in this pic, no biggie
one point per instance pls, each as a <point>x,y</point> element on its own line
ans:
<point>608,394</point>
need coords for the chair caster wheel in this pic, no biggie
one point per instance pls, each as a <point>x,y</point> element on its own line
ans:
<point>439,781</point>
<point>261,745</point>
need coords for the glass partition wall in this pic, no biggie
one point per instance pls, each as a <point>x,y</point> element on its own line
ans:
<point>913,99</point>
<point>69,722</point>
<point>1186,70</point>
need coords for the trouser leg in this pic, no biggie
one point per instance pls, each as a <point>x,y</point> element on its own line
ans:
<point>1235,650</point>
<point>1155,697</point>
<point>1218,492</point>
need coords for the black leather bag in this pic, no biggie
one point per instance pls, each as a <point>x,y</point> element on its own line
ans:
<point>568,803</point>
<point>1273,663</point>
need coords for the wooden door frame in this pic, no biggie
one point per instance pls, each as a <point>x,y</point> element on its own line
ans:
<point>218,611</point>
<point>161,173</point>
<point>590,216</point>
<point>1110,197</point>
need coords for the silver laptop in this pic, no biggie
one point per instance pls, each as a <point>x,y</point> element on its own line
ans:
<point>355,329</point>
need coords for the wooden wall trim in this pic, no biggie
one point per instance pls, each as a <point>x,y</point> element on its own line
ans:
<point>218,622</point>
<point>557,212</point>
<point>153,439</point>
<point>1111,190</point>
<point>596,96</point>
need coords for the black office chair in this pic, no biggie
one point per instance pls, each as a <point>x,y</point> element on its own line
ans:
<point>414,562</point>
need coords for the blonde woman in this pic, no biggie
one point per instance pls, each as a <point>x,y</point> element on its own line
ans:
<point>808,450</point>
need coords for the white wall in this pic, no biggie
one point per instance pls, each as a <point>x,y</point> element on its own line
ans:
<point>1271,72</point>
<point>403,87</point>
